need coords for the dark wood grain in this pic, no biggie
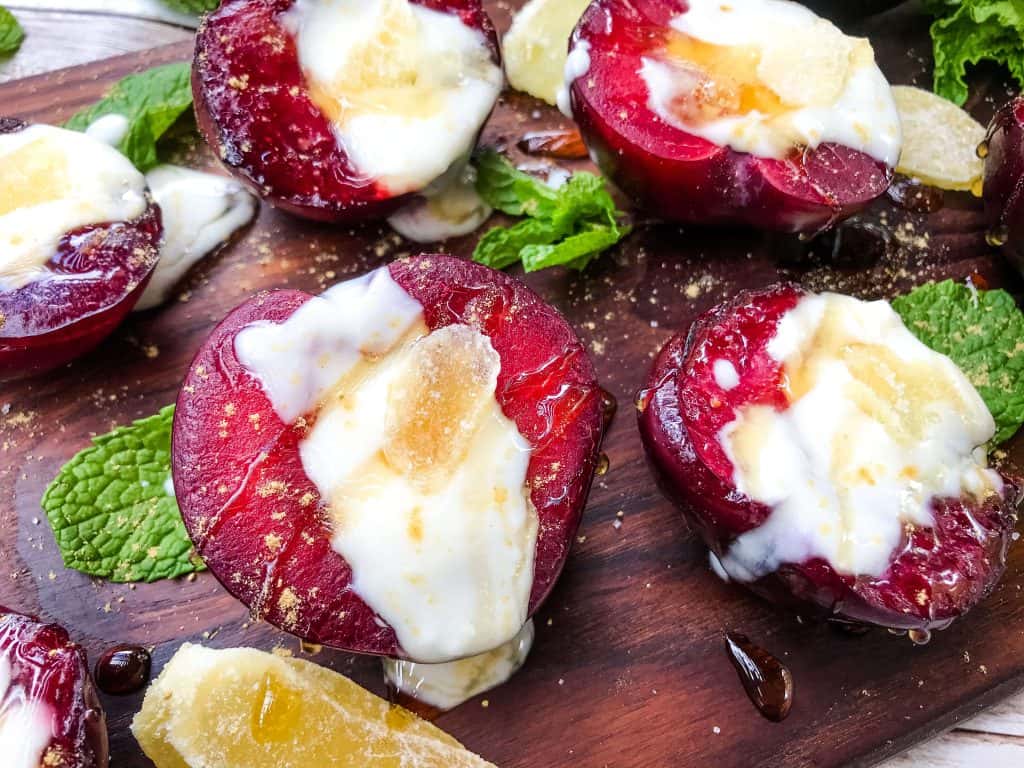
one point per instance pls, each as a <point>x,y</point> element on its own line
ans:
<point>628,670</point>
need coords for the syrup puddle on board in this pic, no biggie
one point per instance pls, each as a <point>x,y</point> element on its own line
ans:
<point>767,681</point>
<point>562,144</point>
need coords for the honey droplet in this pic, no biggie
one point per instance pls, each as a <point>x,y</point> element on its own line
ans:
<point>998,237</point>
<point>609,405</point>
<point>767,681</point>
<point>982,150</point>
<point>603,465</point>
<point>919,636</point>
<point>123,669</point>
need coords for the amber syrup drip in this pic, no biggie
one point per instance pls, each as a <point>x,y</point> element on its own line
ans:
<point>566,144</point>
<point>767,681</point>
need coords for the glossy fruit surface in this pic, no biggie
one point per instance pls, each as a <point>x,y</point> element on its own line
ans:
<point>1004,180</point>
<point>254,108</point>
<point>49,671</point>
<point>239,476</point>
<point>679,176</point>
<point>937,574</point>
<point>91,283</point>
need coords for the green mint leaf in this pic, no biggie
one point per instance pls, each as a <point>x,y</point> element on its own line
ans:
<point>152,101</point>
<point>972,31</point>
<point>110,509</point>
<point>509,190</point>
<point>575,251</point>
<point>194,7</point>
<point>11,33</point>
<point>983,333</point>
<point>503,246</point>
<point>568,226</point>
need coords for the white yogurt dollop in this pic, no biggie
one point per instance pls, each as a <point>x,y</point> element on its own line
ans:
<point>446,686</point>
<point>878,427</point>
<point>201,211</point>
<point>52,182</point>
<point>816,84</point>
<point>407,88</point>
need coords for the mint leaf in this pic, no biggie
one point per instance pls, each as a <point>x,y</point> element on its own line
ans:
<point>152,101</point>
<point>983,333</point>
<point>194,7</point>
<point>11,33</point>
<point>576,251</point>
<point>110,509</point>
<point>568,226</point>
<point>971,31</point>
<point>507,189</point>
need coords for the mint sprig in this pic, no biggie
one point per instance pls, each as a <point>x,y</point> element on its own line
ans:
<point>970,31</point>
<point>11,33</point>
<point>568,226</point>
<point>110,509</point>
<point>194,7</point>
<point>152,101</point>
<point>983,333</point>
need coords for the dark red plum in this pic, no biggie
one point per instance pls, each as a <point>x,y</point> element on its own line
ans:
<point>254,107</point>
<point>1004,180</point>
<point>90,284</point>
<point>546,386</point>
<point>679,176</point>
<point>49,677</point>
<point>935,575</point>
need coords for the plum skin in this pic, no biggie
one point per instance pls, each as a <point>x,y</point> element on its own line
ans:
<point>278,142</point>
<point>681,177</point>
<point>65,682</point>
<point>79,314</point>
<point>938,573</point>
<point>1004,179</point>
<point>546,385</point>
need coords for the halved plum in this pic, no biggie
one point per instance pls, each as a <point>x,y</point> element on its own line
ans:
<point>741,124</point>
<point>259,520</point>
<point>93,278</point>
<point>50,713</point>
<point>290,136</point>
<point>942,562</point>
<point>1004,180</point>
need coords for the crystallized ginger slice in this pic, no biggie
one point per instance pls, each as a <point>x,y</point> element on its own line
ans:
<point>242,708</point>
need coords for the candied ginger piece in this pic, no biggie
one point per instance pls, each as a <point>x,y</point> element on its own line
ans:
<point>243,708</point>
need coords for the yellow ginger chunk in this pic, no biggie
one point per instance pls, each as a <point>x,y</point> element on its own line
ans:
<point>242,708</point>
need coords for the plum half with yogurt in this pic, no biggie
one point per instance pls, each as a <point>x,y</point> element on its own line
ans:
<point>338,110</point>
<point>395,467</point>
<point>754,111</point>
<point>829,459</point>
<point>50,714</point>
<point>79,239</point>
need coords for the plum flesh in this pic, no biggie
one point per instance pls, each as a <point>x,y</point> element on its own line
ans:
<point>935,575</point>
<point>92,281</point>
<point>269,133</point>
<point>49,670</point>
<point>233,482</point>
<point>1004,180</point>
<point>682,177</point>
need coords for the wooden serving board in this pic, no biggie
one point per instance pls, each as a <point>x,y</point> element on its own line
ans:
<point>628,670</point>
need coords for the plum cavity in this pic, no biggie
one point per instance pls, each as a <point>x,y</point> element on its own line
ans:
<point>254,107</point>
<point>92,282</point>
<point>937,573</point>
<point>47,688</point>
<point>679,176</point>
<point>1003,151</point>
<point>239,477</point>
